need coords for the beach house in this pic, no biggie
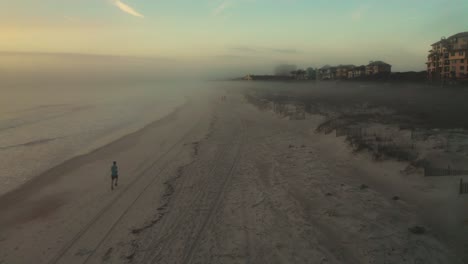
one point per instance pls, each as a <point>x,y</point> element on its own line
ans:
<point>343,70</point>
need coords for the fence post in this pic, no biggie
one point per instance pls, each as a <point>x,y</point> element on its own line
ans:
<point>461,185</point>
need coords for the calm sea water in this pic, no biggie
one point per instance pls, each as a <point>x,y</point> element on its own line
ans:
<point>40,127</point>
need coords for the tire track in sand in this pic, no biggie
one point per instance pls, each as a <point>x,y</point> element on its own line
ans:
<point>68,247</point>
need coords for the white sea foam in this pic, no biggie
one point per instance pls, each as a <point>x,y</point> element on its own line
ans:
<point>40,127</point>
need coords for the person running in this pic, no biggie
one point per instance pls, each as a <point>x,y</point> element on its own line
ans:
<point>114,175</point>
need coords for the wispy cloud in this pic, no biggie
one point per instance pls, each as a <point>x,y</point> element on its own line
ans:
<point>221,7</point>
<point>126,8</point>
<point>246,49</point>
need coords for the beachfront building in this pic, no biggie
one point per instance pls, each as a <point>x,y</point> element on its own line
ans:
<point>448,58</point>
<point>327,72</point>
<point>351,71</point>
<point>378,67</point>
<point>343,70</point>
<point>299,74</point>
<point>358,71</point>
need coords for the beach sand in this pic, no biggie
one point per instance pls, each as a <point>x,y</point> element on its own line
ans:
<point>223,182</point>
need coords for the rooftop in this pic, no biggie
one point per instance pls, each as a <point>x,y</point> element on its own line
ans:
<point>346,66</point>
<point>458,35</point>
<point>373,63</point>
<point>360,68</point>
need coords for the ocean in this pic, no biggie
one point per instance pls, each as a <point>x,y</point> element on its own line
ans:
<point>42,126</point>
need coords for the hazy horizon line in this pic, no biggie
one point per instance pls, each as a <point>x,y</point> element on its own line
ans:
<point>153,58</point>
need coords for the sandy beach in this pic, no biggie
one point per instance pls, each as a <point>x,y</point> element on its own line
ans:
<point>225,182</point>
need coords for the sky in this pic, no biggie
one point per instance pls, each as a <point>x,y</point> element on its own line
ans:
<point>234,35</point>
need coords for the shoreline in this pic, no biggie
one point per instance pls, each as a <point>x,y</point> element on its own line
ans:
<point>52,174</point>
<point>73,200</point>
<point>40,134</point>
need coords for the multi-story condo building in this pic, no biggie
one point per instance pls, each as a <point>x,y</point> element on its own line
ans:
<point>351,71</point>
<point>448,58</point>
<point>358,71</point>
<point>376,67</point>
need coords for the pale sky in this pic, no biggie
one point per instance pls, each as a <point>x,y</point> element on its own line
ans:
<point>234,33</point>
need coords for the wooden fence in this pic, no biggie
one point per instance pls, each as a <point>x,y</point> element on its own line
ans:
<point>463,187</point>
<point>428,171</point>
